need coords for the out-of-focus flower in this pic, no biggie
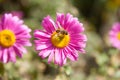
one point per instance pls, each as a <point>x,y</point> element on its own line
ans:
<point>61,39</point>
<point>14,35</point>
<point>17,13</point>
<point>114,35</point>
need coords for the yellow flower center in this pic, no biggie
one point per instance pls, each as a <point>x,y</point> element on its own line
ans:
<point>60,38</point>
<point>7,38</point>
<point>118,35</point>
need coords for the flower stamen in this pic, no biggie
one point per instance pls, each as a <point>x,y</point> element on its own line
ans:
<point>60,38</point>
<point>7,38</point>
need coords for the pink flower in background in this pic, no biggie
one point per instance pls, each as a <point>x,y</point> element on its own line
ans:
<point>114,35</point>
<point>14,35</point>
<point>61,39</point>
<point>17,13</point>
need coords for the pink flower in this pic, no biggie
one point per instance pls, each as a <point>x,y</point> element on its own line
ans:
<point>14,35</point>
<point>61,39</point>
<point>114,35</point>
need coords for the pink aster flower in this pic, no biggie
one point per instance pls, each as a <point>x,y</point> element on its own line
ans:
<point>114,35</point>
<point>61,39</point>
<point>14,35</point>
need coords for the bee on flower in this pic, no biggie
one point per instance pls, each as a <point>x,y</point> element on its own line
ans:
<point>60,39</point>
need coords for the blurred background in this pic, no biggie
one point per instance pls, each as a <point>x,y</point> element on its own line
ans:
<point>101,61</point>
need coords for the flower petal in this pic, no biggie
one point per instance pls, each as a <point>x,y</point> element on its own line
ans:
<point>60,20</point>
<point>60,57</point>
<point>5,55</point>
<point>17,51</point>
<point>75,27</point>
<point>41,34</point>
<point>20,47</point>
<point>48,24</point>
<point>43,46</point>
<point>64,56</point>
<point>24,42</point>
<point>72,55</point>
<point>1,53</point>
<point>12,54</point>
<point>44,53</point>
<point>57,57</point>
<point>50,58</point>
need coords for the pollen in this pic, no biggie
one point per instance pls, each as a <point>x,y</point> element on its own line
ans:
<point>7,38</point>
<point>60,38</point>
<point>118,35</point>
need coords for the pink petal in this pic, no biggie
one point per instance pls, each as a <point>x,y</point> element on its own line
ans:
<point>68,19</point>
<point>60,58</point>
<point>20,47</point>
<point>64,57</point>
<point>41,34</point>
<point>48,24</point>
<point>45,53</point>
<point>42,46</point>
<point>78,37</point>
<point>9,21</point>
<point>78,45</point>
<point>21,29</point>
<point>57,56</point>
<point>25,36</point>
<point>5,55</point>
<point>1,53</point>
<point>24,42</point>
<point>12,54</point>
<point>60,19</point>
<point>42,41</point>
<point>17,51</point>
<point>71,54</point>
<point>75,26</point>
<point>116,27</point>
<point>50,58</point>
<point>5,20</point>
<point>0,25</point>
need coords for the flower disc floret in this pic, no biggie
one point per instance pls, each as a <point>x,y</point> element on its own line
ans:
<point>60,38</point>
<point>7,38</point>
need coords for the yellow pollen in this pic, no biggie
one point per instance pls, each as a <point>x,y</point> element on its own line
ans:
<point>7,38</point>
<point>118,35</point>
<point>60,38</point>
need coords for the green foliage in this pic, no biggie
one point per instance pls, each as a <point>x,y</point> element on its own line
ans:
<point>2,69</point>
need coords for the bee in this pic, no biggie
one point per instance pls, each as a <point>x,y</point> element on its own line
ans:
<point>61,31</point>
